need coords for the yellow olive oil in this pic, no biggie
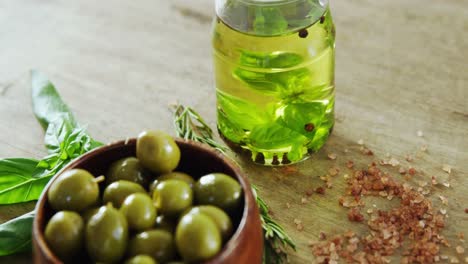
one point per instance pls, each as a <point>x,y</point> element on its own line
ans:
<point>275,91</point>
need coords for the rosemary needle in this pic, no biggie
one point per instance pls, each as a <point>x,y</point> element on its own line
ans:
<point>190,125</point>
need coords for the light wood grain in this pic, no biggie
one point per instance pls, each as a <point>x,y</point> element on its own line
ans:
<point>401,67</point>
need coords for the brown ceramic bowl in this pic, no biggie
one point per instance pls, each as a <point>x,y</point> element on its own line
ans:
<point>245,245</point>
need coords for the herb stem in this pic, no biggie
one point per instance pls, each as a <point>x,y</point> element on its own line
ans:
<point>190,125</point>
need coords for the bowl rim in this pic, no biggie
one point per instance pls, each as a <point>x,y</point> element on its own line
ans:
<point>38,235</point>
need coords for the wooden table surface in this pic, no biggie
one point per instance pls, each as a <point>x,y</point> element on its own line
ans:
<point>401,67</point>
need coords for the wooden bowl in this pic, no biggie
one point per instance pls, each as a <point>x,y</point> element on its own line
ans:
<point>245,245</point>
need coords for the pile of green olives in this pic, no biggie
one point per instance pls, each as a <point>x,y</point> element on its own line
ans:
<point>142,210</point>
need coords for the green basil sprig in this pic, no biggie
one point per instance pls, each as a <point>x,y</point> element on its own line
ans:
<point>22,179</point>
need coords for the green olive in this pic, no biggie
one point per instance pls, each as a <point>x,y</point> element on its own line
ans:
<point>117,191</point>
<point>197,237</point>
<point>175,175</point>
<point>74,190</point>
<point>64,234</point>
<point>106,235</point>
<point>129,169</point>
<point>219,217</point>
<point>157,151</point>
<point>220,190</point>
<point>159,244</point>
<point>172,197</point>
<point>139,211</point>
<point>165,223</point>
<point>141,259</point>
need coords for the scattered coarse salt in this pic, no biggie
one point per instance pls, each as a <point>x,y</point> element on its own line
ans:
<point>443,199</point>
<point>349,234</point>
<point>299,225</point>
<point>332,156</point>
<point>422,183</point>
<point>367,152</point>
<point>414,214</point>
<point>454,260</point>
<point>407,187</point>
<point>409,158</point>
<point>386,234</point>
<point>443,211</point>
<point>288,205</point>
<point>303,200</point>
<point>423,148</point>
<point>322,236</point>
<point>361,141</point>
<point>320,190</point>
<point>394,162</point>
<point>421,223</point>
<point>333,171</point>
<point>460,249</point>
<point>420,133</point>
<point>447,168</point>
<point>446,184</point>
<point>346,176</point>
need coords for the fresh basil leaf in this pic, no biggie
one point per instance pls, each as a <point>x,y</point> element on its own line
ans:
<point>64,139</point>
<point>316,92</point>
<point>274,136</point>
<point>258,81</point>
<point>56,133</point>
<point>230,130</point>
<point>241,112</point>
<point>294,83</point>
<point>269,21</point>
<point>303,118</point>
<point>72,145</point>
<point>19,182</point>
<point>47,103</point>
<point>286,85</point>
<point>15,235</point>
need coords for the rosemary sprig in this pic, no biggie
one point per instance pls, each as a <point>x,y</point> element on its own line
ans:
<point>276,238</point>
<point>190,125</point>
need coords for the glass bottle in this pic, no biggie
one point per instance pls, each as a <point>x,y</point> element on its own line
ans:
<point>274,63</point>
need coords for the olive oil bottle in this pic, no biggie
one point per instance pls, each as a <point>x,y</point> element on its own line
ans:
<point>274,75</point>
